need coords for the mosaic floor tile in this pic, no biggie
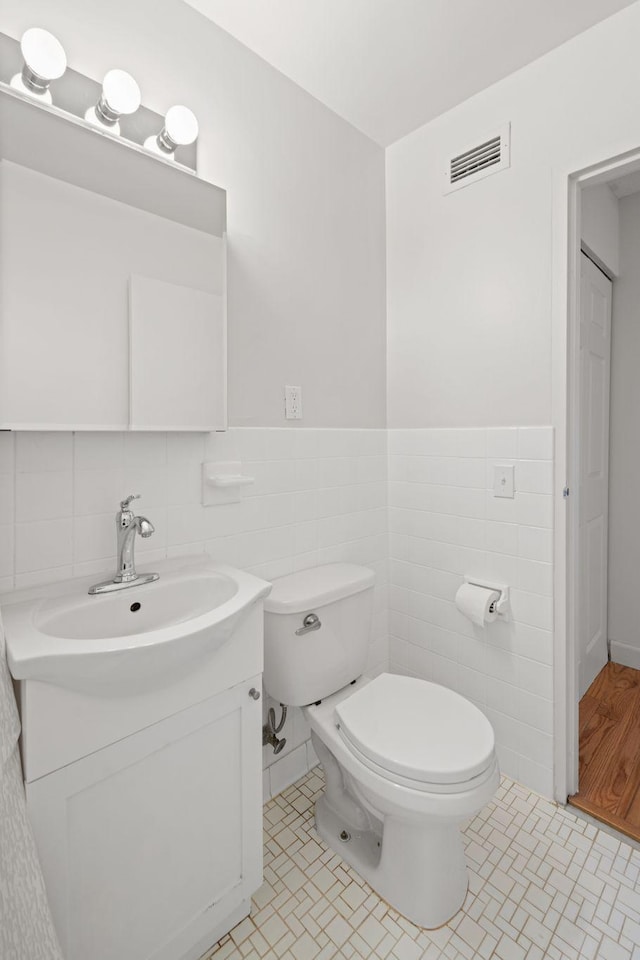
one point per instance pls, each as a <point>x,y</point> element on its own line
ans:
<point>544,885</point>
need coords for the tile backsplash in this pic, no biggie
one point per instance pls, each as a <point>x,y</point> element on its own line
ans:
<point>416,505</point>
<point>445,522</point>
<point>319,496</point>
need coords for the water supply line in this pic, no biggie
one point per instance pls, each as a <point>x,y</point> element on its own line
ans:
<point>271,729</point>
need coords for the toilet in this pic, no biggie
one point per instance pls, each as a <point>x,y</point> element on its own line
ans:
<point>406,761</point>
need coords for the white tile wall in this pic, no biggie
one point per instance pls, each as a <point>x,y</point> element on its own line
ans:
<point>445,522</point>
<point>319,496</point>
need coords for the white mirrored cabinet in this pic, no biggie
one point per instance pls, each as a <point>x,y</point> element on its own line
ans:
<point>112,281</point>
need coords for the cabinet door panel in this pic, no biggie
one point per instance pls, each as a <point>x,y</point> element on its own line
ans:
<point>148,844</point>
<point>67,256</point>
<point>177,356</point>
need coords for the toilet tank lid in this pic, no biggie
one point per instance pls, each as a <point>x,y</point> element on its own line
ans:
<point>305,590</point>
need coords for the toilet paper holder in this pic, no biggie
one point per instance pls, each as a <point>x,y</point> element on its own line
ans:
<point>499,606</point>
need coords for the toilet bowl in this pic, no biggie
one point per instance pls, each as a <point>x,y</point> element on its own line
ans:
<point>406,761</point>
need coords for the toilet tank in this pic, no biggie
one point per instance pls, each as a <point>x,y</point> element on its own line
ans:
<point>316,631</point>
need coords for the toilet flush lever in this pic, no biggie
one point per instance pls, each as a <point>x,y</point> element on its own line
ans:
<point>310,622</point>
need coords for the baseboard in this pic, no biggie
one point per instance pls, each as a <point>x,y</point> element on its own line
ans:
<point>625,654</point>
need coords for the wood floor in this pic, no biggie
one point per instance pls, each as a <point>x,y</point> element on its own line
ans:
<point>610,749</point>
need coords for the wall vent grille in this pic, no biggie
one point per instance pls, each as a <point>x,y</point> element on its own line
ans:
<point>481,160</point>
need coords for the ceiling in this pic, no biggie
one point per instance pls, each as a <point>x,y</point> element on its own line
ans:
<point>388,66</point>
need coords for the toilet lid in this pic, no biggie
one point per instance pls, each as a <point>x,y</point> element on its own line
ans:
<point>417,729</point>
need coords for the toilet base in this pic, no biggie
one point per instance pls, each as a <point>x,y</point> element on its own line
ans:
<point>419,870</point>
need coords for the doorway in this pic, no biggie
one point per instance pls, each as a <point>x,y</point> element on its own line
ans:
<point>606,603</point>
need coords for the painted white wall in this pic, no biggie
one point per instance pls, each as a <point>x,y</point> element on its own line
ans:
<point>469,273</point>
<point>624,462</point>
<point>601,225</point>
<point>305,203</point>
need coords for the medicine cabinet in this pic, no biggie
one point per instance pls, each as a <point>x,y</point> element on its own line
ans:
<point>112,281</point>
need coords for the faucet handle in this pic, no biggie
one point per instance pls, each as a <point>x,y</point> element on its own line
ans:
<point>124,504</point>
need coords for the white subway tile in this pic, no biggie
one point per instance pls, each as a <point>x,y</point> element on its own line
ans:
<point>534,509</point>
<point>145,449</point>
<point>25,580</point>
<point>98,451</point>
<point>532,643</point>
<point>535,711</point>
<point>7,455</point>
<point>534,577</point>
<point>531,608</point>
<point>287,769</point>
<point>280,444</point>
<point>535,543</point>
<point>535,745</point>
<point>502,443</point>
<point>98,490</point>
<point>535,443</point>
<point>7,501</point>
<point>538,778</point>
<point>535,677</point>
<point>500,509</point>
<point>534,476</point>
<point>38,452</point>
<point>419,661</point>
<point>43,496</point>
<point>500,568</point>
<point>502,537</point>
<point>221,445</point>
<point>183,485</point>
<point>43,545</point>
<point>6,550</point>
<point>185,448</point>
<point>444,671</point>
<point>94,538</point>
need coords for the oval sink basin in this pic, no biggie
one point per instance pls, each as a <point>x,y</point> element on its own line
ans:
<point>136,639</point>
<point>135,610</point>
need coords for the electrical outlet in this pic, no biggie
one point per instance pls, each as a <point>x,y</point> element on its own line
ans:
<point>293,403</point>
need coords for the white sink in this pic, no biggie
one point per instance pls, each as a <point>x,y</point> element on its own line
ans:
<point>135,639</point>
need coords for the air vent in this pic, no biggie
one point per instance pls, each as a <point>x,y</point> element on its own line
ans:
<point>489,156</point>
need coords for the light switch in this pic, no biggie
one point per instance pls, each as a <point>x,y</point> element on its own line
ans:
<point>503,480</point>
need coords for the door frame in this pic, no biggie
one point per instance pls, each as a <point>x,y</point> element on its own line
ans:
<point>568,183</point>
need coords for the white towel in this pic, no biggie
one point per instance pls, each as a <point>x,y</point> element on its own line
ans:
<point>26,927</point>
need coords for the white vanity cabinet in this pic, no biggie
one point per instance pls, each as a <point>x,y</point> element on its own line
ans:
<point>143,765</point>
<point>150,846</point>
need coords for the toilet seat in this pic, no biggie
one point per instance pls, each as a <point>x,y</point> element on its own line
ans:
<point>417,733</point>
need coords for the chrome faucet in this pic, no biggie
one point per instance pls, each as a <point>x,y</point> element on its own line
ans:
<point>127,525</point>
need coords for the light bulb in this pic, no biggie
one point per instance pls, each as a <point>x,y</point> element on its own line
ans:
<point>180,129</point>
<point>120,95</point>
<point>44,61</point>
<point>181,125</point>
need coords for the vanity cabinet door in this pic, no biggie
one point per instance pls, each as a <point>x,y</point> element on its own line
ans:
<point>148,845</point>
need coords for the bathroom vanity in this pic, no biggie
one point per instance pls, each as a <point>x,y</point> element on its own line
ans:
<point>141,751</point>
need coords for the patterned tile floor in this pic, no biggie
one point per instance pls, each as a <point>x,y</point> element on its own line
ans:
<point>544,884</point>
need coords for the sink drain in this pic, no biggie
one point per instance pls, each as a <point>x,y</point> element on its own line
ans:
<point>345,836</point>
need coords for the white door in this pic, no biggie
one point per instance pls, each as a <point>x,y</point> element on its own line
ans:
<point>595,371</point>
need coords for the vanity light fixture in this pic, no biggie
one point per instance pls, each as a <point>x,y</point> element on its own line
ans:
<point>180,129</point>
<point>120,96</point>
<point>44,61</point>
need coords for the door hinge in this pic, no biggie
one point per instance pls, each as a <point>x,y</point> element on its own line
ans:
<point>565,492</point>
